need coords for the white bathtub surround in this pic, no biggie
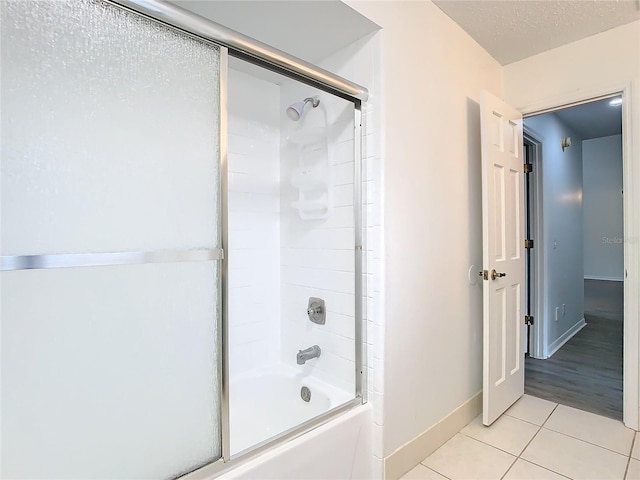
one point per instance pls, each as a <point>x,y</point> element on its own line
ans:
<point>331,272</point>
<point>315,258</point>
<point>254,223</point>
<point>267,402</point>
<point>340,449</point>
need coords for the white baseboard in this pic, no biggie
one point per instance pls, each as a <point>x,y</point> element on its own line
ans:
<point>412,453</point>
<point>565,337</point>
<point>609,279</point>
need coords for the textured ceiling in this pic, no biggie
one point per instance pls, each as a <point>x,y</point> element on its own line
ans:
<point>511,30</point>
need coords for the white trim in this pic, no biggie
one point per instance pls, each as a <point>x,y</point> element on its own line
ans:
<point>574,97</point>
<point>631,184</point>
<point>608,279</point>
<point>413,452</point>
<point>565,337</point>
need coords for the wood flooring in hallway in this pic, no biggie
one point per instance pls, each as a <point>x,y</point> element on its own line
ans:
<point>586,373</point>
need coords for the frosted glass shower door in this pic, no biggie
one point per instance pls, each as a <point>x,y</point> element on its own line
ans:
<point>110,244</point>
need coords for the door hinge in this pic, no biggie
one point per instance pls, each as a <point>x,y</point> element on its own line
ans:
<point>528,319</point>
<point>528,167</point>
<point>528,243</point>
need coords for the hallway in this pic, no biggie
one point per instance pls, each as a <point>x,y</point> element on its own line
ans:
<point>586,373</point>
<point>537,439</point>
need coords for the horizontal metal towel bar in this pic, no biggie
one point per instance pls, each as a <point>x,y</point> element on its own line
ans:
<point>68,260</point>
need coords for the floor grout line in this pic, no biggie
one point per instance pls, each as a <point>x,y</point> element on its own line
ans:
<point>587,441</point>
<point>626,470</point>
<point>545,468</point>
<point>487,444</point>
<point>441,474</point>
<point>532,438</point>
<point>519,457</point>
<point>549,416</point>
<point>523,420</point>
<point>529,442</point>
<point>633,444</point>
<point>510,467</point>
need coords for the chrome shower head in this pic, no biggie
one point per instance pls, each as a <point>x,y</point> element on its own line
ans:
<point>295,111</point>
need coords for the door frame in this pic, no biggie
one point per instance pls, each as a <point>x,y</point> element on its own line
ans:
<point>535,279</point>
<point>631,221</point>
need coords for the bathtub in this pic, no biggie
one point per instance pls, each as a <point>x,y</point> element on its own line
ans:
<point>268,402</point>
<point>341,449</point>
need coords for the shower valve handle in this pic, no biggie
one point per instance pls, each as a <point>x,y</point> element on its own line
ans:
<point>316,311</point>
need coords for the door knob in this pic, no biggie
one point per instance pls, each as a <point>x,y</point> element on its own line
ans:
<point>495,274</point>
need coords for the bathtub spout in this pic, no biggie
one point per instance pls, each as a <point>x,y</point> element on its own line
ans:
<point>308,354</point>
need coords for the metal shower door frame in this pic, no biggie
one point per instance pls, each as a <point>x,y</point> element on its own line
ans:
<point>237,45</point>
<point>228,460</point>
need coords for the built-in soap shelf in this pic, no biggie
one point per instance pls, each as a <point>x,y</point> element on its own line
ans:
<point>311,176</point>
<point>312,209</point>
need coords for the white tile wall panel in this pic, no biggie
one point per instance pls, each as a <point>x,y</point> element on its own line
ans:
<point>278,256</point>
<point>321,279</point>
<point>332,239</point>
<point>336,323</point>
<point>314,254</point>
<point>339,217</point>
<point>336,301</point>
<point>339,260</point>
<point>254,230</point>
<point>342,195</point>
<point>253,202</point>
<point>246,145</point>
<point>342,174</point>
<point>342,152</point>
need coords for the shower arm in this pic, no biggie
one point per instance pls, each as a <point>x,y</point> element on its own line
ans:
<point>314,101</point>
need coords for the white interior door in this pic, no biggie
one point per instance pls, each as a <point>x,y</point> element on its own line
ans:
<point>503,256</point>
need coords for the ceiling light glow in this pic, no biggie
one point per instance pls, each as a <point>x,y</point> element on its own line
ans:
<point>616,102</point>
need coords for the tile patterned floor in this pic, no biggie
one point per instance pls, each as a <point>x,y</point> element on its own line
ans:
<point>537,439</point>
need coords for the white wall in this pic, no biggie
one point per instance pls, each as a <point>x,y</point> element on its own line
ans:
<point>611,57</point>
<point>432,76</point>
<point>593,66</point>
<point>602,204</point>
<point>254,222</point>
<point>560,173</point>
